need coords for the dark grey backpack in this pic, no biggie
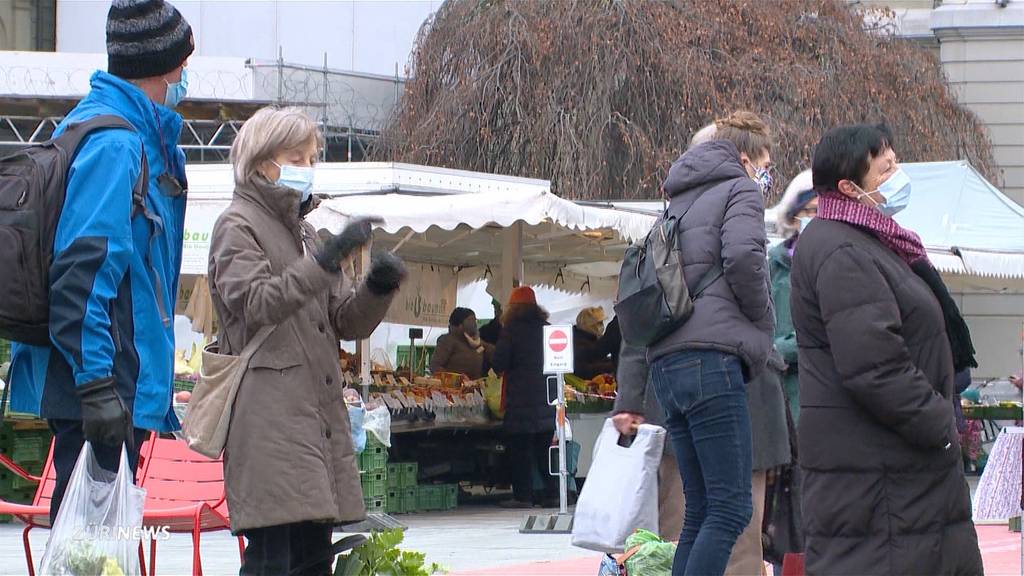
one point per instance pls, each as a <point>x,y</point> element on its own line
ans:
<point>33,184</point>
<point>654,299</point>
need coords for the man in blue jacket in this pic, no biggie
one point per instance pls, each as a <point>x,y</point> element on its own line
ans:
<point>107,375</point>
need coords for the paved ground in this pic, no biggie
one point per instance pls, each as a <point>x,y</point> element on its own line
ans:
<point>465,541</point>
<point>469,542</point>
<point>472,541</point>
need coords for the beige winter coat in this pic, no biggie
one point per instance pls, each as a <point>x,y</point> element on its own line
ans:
<point>289,455</point>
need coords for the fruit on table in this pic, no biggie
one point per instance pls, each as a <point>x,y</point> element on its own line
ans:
<point>183,397</point>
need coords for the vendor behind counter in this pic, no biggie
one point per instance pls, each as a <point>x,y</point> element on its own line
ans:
<point>461,350</point>
<point>594,349</point>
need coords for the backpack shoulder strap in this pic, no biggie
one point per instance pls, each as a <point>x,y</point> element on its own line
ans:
<point>72,138</point>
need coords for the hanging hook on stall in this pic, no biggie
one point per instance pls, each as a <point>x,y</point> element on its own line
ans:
<point>585,285</point>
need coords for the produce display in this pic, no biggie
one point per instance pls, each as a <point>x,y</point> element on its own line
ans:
<point>589,396</point>
<point>444,399</point>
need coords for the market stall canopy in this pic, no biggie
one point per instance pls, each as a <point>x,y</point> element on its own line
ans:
<point>967,225</point>
<point>959,213</point>
<point>449,218</point>
<point>563,243</point>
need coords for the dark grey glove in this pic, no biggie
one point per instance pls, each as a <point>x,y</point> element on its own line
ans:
<point>386,274</point>
<point>336,248</point>
<point>105,417</point>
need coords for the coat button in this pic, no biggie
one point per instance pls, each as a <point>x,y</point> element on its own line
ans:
<point>329,380</point>
<point>321,327</point>
<point>328,433</point>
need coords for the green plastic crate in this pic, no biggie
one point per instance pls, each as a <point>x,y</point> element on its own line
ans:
<point>375,457</point>
<point>450,496</point>
<point>375,505</point>
<point>12,484</point>
<point>393,502</point>
<point>430,497</point>
<point>30,451</point>
<point>375,484</point>
<point>410,474</point>
<point>5,351</point>
<point>394,476</point>
<point>184,385</point>
<point>410,499</point>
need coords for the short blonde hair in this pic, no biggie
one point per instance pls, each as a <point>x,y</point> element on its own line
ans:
<point>270,130</point>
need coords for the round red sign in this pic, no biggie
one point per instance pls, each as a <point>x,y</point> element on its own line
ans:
<point>558,341</point>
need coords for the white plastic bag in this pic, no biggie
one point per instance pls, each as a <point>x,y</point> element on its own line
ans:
<point>378,422</point>
<point>621,491</point>
<point>99,524</point>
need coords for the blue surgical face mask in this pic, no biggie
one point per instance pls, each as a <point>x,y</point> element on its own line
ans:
<point>298,178</point>
<point>804,221</point>
<point>896,192</point>
<point>176,91</point>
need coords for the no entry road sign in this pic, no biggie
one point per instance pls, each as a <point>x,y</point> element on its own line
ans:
<point>558,357</point>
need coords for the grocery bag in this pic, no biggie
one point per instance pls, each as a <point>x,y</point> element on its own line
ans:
<point>494,394</point>
<point>99,524</point>
<point>621,491</point>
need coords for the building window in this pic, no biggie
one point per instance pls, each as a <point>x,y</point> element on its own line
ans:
<point>29,25</point>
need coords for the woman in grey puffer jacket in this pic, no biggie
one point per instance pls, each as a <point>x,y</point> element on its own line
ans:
<point>700,371</point>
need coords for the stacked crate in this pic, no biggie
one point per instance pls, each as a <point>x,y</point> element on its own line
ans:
<point>373,475</point>
<point>27,442</point>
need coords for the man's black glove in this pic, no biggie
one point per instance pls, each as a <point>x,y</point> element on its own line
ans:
<point>105,416</point>
<point>386,274</point>
<point>336,248</point>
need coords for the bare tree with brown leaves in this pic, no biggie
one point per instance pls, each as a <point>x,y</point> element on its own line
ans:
<point>600,96</point>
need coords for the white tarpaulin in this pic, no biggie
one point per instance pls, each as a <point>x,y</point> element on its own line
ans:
<point>955,210</point>
<point>419,213</point>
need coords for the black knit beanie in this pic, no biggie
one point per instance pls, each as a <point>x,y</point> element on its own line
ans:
<point>146,38</point>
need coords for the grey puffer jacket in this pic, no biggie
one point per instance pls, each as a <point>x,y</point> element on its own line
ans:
<point>721,213</point>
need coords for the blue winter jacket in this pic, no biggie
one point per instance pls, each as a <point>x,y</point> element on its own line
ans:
<point>114,276</point>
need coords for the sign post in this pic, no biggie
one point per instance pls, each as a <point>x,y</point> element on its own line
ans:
<point>558,360</point>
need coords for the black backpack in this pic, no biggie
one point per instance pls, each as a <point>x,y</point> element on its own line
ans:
<point>654,299</point>
<point>33,184</point>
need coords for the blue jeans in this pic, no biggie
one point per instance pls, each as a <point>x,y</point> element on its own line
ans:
<point>705,402</point>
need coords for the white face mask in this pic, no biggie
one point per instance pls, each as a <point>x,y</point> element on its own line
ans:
<point>804,221</point>
<point>895,192</point>
<point>298,178</point>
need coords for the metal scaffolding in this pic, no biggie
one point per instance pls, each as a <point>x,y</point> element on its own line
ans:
<point>352,108</point>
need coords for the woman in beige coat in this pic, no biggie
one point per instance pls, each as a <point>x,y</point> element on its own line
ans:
<point>289,467</point>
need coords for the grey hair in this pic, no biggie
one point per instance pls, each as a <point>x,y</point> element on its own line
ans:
<point>800,183</point>
<point>705,134</point>
<point>270,130</point>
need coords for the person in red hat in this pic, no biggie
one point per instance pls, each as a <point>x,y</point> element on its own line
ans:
<point>529,419</point>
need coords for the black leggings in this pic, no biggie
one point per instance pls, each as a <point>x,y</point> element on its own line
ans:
<point>277,550</point>
<point>528,457</point>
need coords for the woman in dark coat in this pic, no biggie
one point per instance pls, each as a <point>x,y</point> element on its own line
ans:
<point>529,419</point>
<point>884,490</point>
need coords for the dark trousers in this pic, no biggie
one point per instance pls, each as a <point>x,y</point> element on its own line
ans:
<point>705,401</point>
<point>528,457</point>
<point>68,440</point>
<point>277,550</point>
